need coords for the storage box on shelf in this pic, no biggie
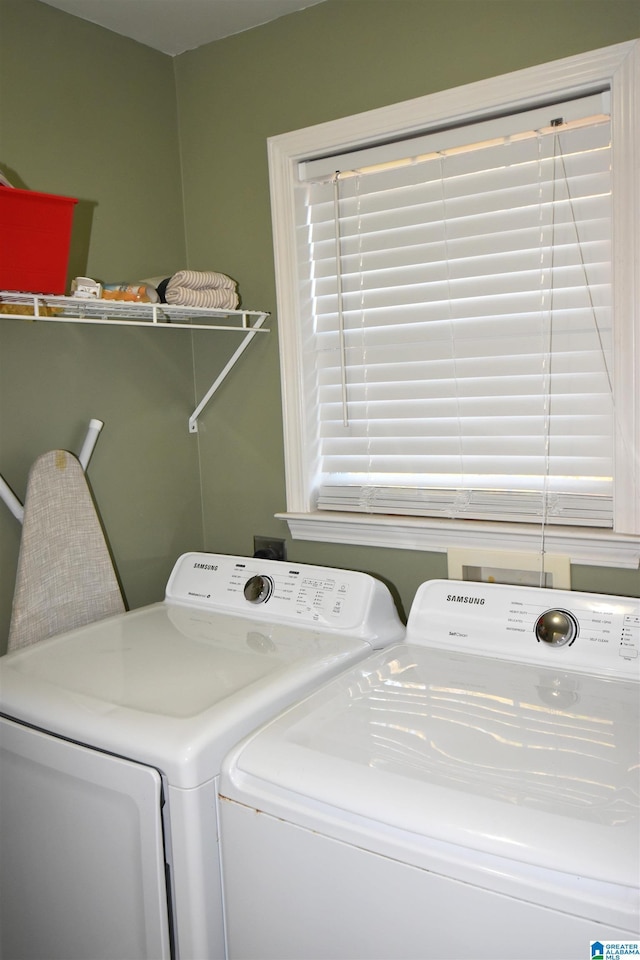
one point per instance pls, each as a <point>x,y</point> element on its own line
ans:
<point>35,237</point>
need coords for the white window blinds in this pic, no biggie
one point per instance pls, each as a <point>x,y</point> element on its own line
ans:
<point>460,321</point>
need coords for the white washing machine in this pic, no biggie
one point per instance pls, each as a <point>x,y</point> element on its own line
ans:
<point>111,740</point>
<point>472,793</point>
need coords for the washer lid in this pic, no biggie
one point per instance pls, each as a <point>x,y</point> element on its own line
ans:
<point>174,687</point>
<point>513,760</point>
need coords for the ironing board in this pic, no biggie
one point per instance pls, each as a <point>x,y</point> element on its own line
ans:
<point>65,576</point>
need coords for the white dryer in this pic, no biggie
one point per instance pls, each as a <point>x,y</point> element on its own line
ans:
<point>111,740</point>
<point>472,793</point>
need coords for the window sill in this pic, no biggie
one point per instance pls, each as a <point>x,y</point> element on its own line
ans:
<point>583,545</point>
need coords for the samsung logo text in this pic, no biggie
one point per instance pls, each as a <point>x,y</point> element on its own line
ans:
<point>452,598</point>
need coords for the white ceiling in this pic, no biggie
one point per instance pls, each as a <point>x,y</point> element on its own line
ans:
<point>173,26</point>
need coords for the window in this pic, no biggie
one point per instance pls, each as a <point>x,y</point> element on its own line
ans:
<point>459,343</point>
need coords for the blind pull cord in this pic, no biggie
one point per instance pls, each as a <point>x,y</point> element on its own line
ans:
<point>559,160</point>
<point>343,363</point>
<point>618,430</point>
<point>560,157</point>
<point>547,353</point>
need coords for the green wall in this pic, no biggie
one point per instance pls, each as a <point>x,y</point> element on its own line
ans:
<point>89,114</point>
<point>168,157</point>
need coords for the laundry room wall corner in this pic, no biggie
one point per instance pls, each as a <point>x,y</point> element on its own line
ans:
<point>88,114</point>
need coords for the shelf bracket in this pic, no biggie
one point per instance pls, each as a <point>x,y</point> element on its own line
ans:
<point>251,331</point>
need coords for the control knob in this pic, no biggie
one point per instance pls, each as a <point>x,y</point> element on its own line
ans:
<point>556,627</point>
<point>258,589</point>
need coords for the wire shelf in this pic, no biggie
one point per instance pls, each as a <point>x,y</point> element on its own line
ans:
<point>29,306</point>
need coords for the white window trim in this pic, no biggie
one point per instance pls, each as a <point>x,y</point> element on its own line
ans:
<point>617,67</point>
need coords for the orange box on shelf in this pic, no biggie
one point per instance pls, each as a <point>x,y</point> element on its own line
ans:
<point>35,236</point>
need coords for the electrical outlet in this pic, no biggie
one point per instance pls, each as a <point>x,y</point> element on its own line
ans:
<point>269,548</point>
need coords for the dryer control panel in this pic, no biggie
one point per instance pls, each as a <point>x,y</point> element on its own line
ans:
<point>592,632</point>
<point>284,592</point>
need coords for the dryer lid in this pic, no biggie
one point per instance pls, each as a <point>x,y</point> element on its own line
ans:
<point>516,761</point>
<point>173,687</point>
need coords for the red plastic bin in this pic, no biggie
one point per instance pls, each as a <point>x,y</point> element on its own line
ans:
<point>35,236</point>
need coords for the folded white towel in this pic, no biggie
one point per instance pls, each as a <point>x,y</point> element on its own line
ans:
<point>201,280</point>
<point>214,299</point>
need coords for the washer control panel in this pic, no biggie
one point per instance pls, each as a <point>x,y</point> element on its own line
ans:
<point>283,592</point>
<point>592,632</point>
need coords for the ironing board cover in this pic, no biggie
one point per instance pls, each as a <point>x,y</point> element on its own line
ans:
<point>65,576</point>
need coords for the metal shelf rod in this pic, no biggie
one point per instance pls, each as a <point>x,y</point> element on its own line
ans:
<point>149,324</point>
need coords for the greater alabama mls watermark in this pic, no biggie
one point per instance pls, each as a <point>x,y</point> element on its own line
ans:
<point>614,949</point>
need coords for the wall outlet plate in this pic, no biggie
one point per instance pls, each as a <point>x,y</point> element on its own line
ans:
<point>269,548</point>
